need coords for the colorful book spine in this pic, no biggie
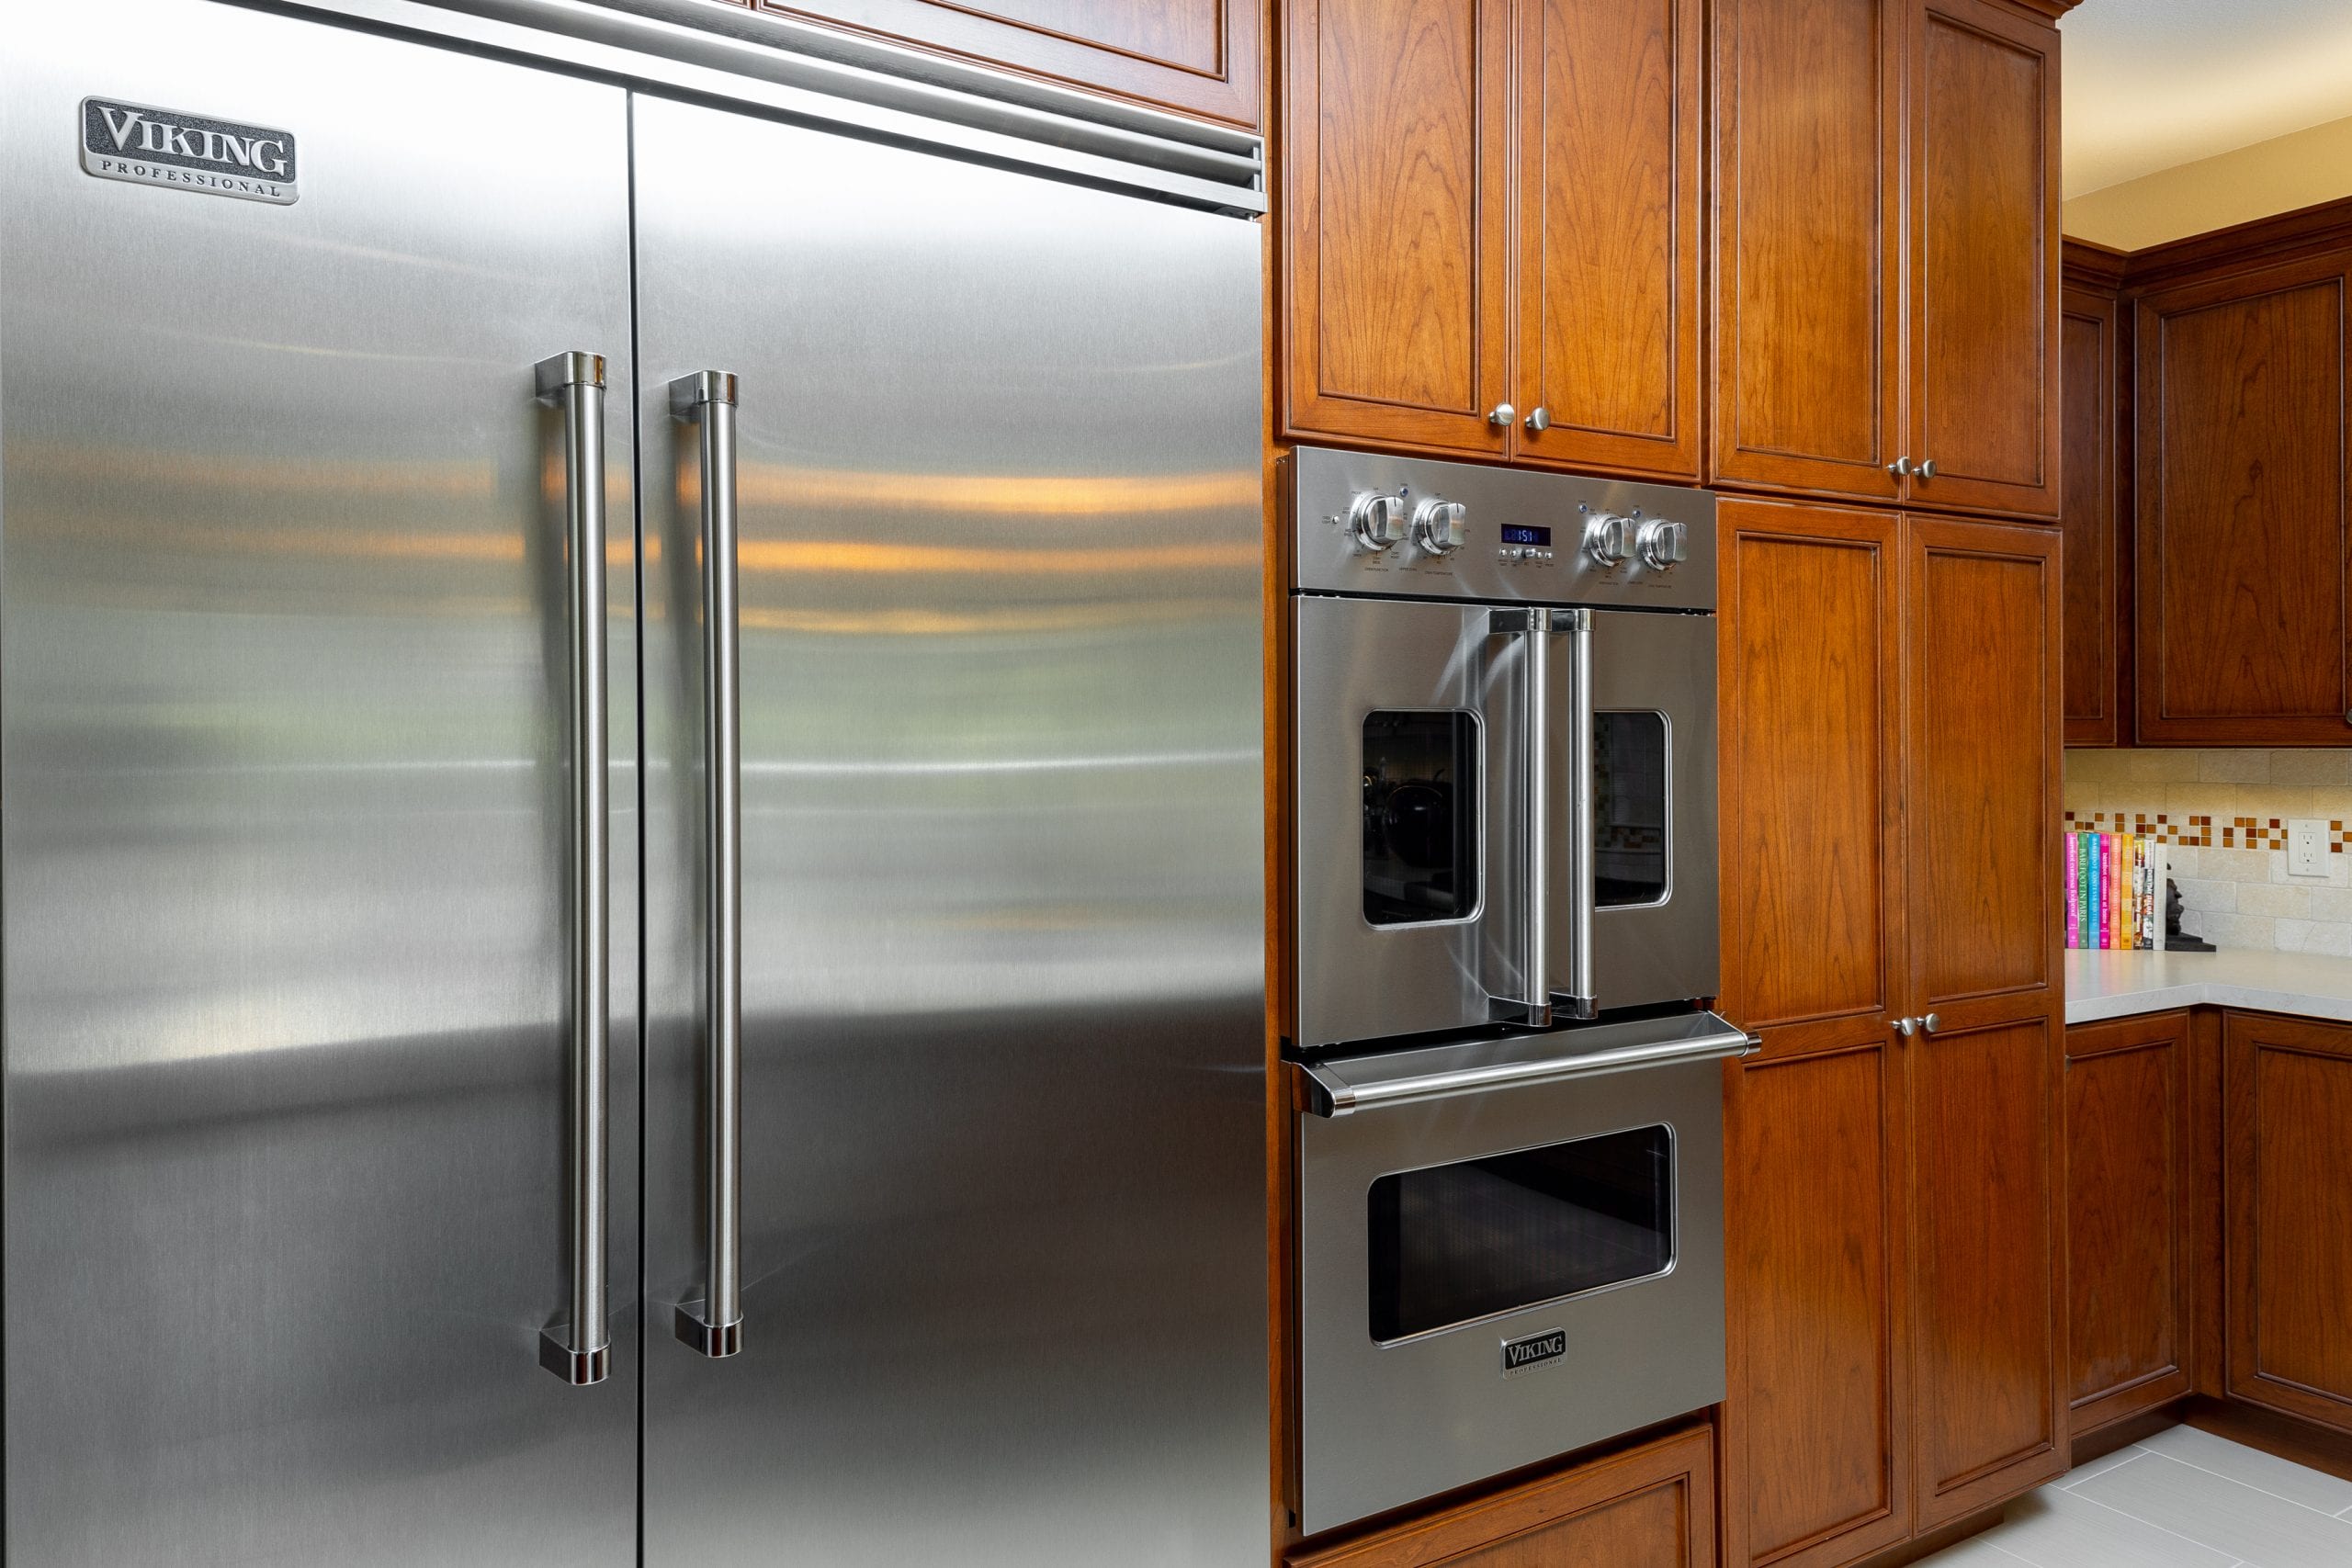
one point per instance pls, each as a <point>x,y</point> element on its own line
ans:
<point>2105,849</point>
<point>2119,892</point>
<point>2089,848</point>
<point>2069,852</point>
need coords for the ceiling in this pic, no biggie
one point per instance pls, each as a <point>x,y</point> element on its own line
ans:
<point>2150,83</point>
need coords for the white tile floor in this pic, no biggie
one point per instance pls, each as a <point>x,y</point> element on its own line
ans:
<point>2182,1499</point>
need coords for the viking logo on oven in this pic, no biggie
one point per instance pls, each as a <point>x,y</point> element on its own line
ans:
<point>1534,1351</point>
<point>163,147</point>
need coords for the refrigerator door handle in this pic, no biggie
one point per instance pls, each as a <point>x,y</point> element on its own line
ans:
<point>1581,993</point>
<point>714,1324</point>
<point>579,1350</point>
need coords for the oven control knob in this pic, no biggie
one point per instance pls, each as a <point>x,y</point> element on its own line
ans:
<point>1377,521</point>
<point>1608,539</point>
<point>1664,545</point>
<point>1437,527</point>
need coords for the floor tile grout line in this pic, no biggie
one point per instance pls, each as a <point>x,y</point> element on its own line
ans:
<point>2134,1449</point>
<point>2249,1485</point>
<point>2127,1513</point>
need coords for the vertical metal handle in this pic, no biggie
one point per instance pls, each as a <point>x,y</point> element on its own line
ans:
<point>1582,995</point>
<point>1534,741</point>
<point>714,1324</point>
<point>580,1351</point>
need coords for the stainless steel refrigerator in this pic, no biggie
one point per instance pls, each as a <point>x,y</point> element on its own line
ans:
<point>630,767</point>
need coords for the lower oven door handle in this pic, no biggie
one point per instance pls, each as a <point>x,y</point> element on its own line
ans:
<point>1332,1094</point>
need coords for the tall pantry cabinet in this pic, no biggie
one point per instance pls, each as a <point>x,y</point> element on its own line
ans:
<point>1886,297</point>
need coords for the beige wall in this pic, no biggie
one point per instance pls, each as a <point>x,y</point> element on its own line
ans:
<point>2301,169</point>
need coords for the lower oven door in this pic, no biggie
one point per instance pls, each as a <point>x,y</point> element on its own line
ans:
<point>1507,1249</point>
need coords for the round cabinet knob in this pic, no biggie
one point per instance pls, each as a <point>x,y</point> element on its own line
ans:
<point>1501,415</point>
<point>1608,539</point>
<point>1538,419</point>
<point>1437,527</point>
<point>1663,545</point>
<point>1927,469</point>
<point>1377,521</point>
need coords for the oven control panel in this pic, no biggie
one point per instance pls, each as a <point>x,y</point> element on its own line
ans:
<point>1415,528</point>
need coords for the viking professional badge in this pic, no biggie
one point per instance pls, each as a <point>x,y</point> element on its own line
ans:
<point>1536,1350</point>
<point>189,151</point>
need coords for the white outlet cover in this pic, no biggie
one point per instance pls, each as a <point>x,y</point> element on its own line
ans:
<point>2307,847</point>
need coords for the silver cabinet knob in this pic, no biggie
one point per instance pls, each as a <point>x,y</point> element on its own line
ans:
<point>1608,538</point>
<point>1377,521</point>
<point>1437,527</point>
<point>1538,419</point>
<point>1900,468</point>
<point>1663,545</point>
<point>1930,1023</point>
<point>1501,415</point>
<point>1907,1027</point>
<point>1927,469</point>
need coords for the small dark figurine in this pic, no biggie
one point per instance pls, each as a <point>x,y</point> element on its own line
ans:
<point>2174,941</point>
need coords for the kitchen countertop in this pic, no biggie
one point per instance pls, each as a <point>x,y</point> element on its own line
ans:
<point>2123,985</point>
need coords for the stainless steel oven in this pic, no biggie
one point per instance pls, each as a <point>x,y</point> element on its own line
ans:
<point>1509,1247</point>
<point>1505,767</point>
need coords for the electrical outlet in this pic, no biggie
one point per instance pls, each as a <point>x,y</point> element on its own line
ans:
<point>2307,847</point>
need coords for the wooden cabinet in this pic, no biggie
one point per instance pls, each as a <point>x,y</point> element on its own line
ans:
<point>1651,1506</point>
<point>1824,380</point>
<point>1200,57</point>
<point>2128,1236</point>
<point>2289,1180</point>
<point>2244,557</point>
<point>2097,602</point>
<point>1433,304</point>
<point>1889,746</point>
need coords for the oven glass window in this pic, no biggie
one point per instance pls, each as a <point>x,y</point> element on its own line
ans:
<point>1457,1243</point>
<point>1421,818</point>
<point>1629,809</point>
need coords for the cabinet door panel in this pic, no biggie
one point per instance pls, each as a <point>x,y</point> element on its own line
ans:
<point>1983,809</point>
<point>1398,220</point>
<point>2126,1216</point>
<point>1807,182</point>
<point>2094,609</point>
<point>1200,56</point>
<point>2243,422</point>
<point>1814,1468</point>
<point>1608,285</point>
<point>1811,697</point>
<point>2289,1185</point>
<point>1985,259</point>
<point>1989,1402</point>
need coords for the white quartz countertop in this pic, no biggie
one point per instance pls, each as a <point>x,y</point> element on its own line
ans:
<point>2123,985</point>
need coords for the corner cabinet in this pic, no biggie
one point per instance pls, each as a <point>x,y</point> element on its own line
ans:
<point>1491,223</point>
<point>1886,250</point>
<point>2090,519</point>
<point>1893,1170</point>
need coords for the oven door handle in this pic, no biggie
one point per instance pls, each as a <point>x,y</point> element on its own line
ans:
<point>1334,1090</point>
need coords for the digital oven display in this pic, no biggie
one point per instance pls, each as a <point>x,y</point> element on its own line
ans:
<point>1514,535</point>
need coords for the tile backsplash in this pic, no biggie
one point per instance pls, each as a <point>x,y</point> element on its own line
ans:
<point>2222,819</point>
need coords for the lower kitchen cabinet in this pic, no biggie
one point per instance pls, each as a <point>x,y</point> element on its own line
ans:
<point>2289,1179</point>
<point>1651,1506</point>
<point>2129,1241</point>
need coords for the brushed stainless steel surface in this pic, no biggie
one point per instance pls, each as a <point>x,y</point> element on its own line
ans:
<point>1002,871</point>
<point>283,745</point>
<point>1927,468</point>
<point>821,76</point>
<point>1538,419</point>
<point>1501,415</point>
<point>1534,992</point>
<point>714,1323</point>
<point>1325,482</point>
<point>1900,468</point>
<point>1579,990</point>
<point>1342,1086</point>
<point>1668,951</point>
<point>1907,1027</point>
<point>578,1351</point>
<point>1355,658</point>
<point>1637,1353</point>
<point>1930,1023</point>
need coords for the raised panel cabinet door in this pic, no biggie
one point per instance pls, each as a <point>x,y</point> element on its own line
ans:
<point>1807,245</point>
<point>1398,142</point>
<point>2241,495</point>
<point>2289,1184</point>
<point>1651,1506</point>
<point>2094,611</point>
<point>2127,1089</point>
<point>1985,245</point>
<point>1197,56</point>
<point>1608,290</point>
<point>1816,1470</point>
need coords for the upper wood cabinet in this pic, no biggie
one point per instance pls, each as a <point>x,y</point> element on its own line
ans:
<point>2244,560</point>
<point>1433,304</point>
<point>1833,207</point>
<point>1200,57</point>
<point>2098,588</point>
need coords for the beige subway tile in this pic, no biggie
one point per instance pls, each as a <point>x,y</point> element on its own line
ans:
<point>2236,865</point>
<point>2336,875</point>
<point>2331,937</point>
<point>2234,767</point>
<point>2328,765</point>
<point>2220,897</point>
<point>2085,764</point>
<point>2258,932</point>
<point>2283,900</point>
<point>2329,903</point>
<point>2155,765</point>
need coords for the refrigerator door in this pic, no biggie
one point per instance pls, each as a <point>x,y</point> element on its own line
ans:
<point>287,745</point>
<point>1003,1255</point>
